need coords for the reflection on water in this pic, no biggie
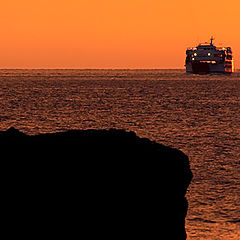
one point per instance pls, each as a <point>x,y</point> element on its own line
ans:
<point>198,114</point>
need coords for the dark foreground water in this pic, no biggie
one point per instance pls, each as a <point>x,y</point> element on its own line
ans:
<point>198,114</point>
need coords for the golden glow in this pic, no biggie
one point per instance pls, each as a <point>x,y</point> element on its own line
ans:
<point>111,34</point>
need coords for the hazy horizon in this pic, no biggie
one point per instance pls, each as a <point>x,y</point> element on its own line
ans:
<point>98,69</point>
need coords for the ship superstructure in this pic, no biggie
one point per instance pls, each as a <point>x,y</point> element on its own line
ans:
<point>207,58</point>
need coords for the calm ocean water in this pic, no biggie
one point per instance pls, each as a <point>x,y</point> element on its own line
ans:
<point>198,114</point>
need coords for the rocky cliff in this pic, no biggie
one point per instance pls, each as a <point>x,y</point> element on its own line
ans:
<point>107,184</point>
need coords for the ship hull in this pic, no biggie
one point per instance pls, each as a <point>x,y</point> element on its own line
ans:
<point>206,68</point>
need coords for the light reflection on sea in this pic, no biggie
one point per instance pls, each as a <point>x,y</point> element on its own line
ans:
<point>198,114</point>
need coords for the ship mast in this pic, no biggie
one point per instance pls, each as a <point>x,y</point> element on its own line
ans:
<point>211,41</point>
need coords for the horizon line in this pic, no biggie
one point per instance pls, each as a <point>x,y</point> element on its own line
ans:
<point>236,69</point>
<point>92,68</point>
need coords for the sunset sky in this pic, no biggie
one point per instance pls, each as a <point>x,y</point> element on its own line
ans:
<point>112,33</point>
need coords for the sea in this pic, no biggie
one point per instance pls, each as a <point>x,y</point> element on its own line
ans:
<point>198,114</point>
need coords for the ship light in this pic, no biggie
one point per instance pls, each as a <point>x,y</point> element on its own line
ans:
<point>209,54</point>
<point>195,54</point>
<point>193,59</point>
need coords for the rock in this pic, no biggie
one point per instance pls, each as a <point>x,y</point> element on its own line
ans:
<point>107,184</point>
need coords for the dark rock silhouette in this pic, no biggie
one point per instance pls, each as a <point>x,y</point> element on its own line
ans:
<point>107,184</point>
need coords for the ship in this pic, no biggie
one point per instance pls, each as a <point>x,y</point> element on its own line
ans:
<point>207,59</point>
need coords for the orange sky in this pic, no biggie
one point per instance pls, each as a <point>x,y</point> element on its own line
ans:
<point>112,33</point>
